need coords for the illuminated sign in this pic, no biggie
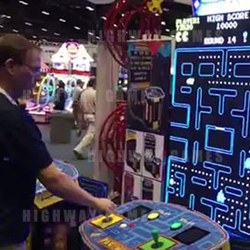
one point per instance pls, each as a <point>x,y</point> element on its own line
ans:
<point>221,29</point>
<point>111,244</point>
<point>72,49</point>
<point>208,7</point>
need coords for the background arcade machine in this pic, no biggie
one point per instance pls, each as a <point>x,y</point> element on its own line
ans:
<point>210,119</point>
<point>40,103</point>
<point>70,63</point>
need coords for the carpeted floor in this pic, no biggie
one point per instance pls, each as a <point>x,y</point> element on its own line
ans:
<point>65,152</point>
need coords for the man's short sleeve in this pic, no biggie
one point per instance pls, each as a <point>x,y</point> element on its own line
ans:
<point>24,144</point>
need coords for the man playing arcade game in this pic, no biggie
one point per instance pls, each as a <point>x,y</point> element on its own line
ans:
<point>23,155</point>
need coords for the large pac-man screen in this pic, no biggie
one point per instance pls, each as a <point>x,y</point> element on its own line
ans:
<point>208,167</point>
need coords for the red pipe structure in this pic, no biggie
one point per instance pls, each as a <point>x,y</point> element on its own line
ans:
<point>112,142</point>
<point>117,26</point>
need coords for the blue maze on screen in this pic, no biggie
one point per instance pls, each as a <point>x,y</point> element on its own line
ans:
<point>208,168</point>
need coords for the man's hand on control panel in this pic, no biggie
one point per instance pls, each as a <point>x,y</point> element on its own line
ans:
<point>64,187</point>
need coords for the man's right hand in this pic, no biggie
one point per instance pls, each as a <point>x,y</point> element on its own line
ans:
<point>105,206</point>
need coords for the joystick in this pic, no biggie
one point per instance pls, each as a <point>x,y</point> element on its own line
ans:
<point>155,236</point>
<point>107,219</point>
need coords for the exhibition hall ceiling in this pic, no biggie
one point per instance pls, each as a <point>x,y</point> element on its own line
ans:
<point>60,20</point>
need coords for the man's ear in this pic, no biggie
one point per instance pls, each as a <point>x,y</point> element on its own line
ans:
<point>9,65</point>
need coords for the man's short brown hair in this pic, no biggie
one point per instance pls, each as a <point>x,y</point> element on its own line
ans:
<point>14,46</point>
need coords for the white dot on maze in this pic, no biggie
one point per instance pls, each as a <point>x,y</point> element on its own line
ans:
<point>241,83</point>
<point>219,215</point>
<point>234,181</point>
<point>245,218</point>
<point>222,178</point>
<point>199,57</point>
<point>248,56</point>
<point>229,76</point>
<point>192,170</point>
<point>230,70</point>
<point>248,178</point>
<point>227,219</point>
<point>244,225</point>
<point>244,56</point>
<point>245,205</point>
<point>245,212</point>
<point>217,76</point>
<point>239,56</point>
<point>172,170</point>
<point>238,182</point>
<point>210,181</point>
<point>241,203</point>
<point>231,56</point>
<point>218,69</point>
<point>232,214</point>
<point>246,84</point>
<point>223,217</point>
<point>232,207</point>
<point>229,199</point>
<point>235,57</point>
<point>231,220</point>
<point>233,201</point>
<point>210,175</point>
<point>237,202</point>
<point>247,185</point>
<point>243,184</point>
<point>246,199</point>
<point>218,221</point>
<point>218,63</point>
<point>177,195</point>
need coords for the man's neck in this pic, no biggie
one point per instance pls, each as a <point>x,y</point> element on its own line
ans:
<point>8,90</point>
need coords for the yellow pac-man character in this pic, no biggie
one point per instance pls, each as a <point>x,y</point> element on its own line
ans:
<point>155,6</point>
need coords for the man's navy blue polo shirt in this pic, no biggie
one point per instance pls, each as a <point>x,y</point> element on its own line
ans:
<point>22,155</point>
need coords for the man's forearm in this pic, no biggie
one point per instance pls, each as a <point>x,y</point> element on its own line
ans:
<point>64,187</point>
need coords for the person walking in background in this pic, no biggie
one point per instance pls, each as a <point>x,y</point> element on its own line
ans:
<point>76,104</point>
<point>88,108</point>
<point>60,96</point>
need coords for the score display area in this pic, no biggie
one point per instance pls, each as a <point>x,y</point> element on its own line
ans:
<point>208,167</point>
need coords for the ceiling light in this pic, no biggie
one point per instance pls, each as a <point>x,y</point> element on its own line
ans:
<point>56,34</point>
<point>45,30</point>
<point>90,33</point>
<point>90,8</point>
<point>6,16</point>
<point>27,23</point>
<point>132,37</point>
<point>45,13</point>
<point>163,23</point>
<point>115,25</point>
<point>97,37</point>
<point>34,37</point>
<point>168,30</point>
<point>104,18</point>
<point>123,14</point>
<point>14,30</point>
<point>24,3</point>
<point>62,20</point>
<point>165,9</point>
<point>1,26</point>
<point>77,28</point>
